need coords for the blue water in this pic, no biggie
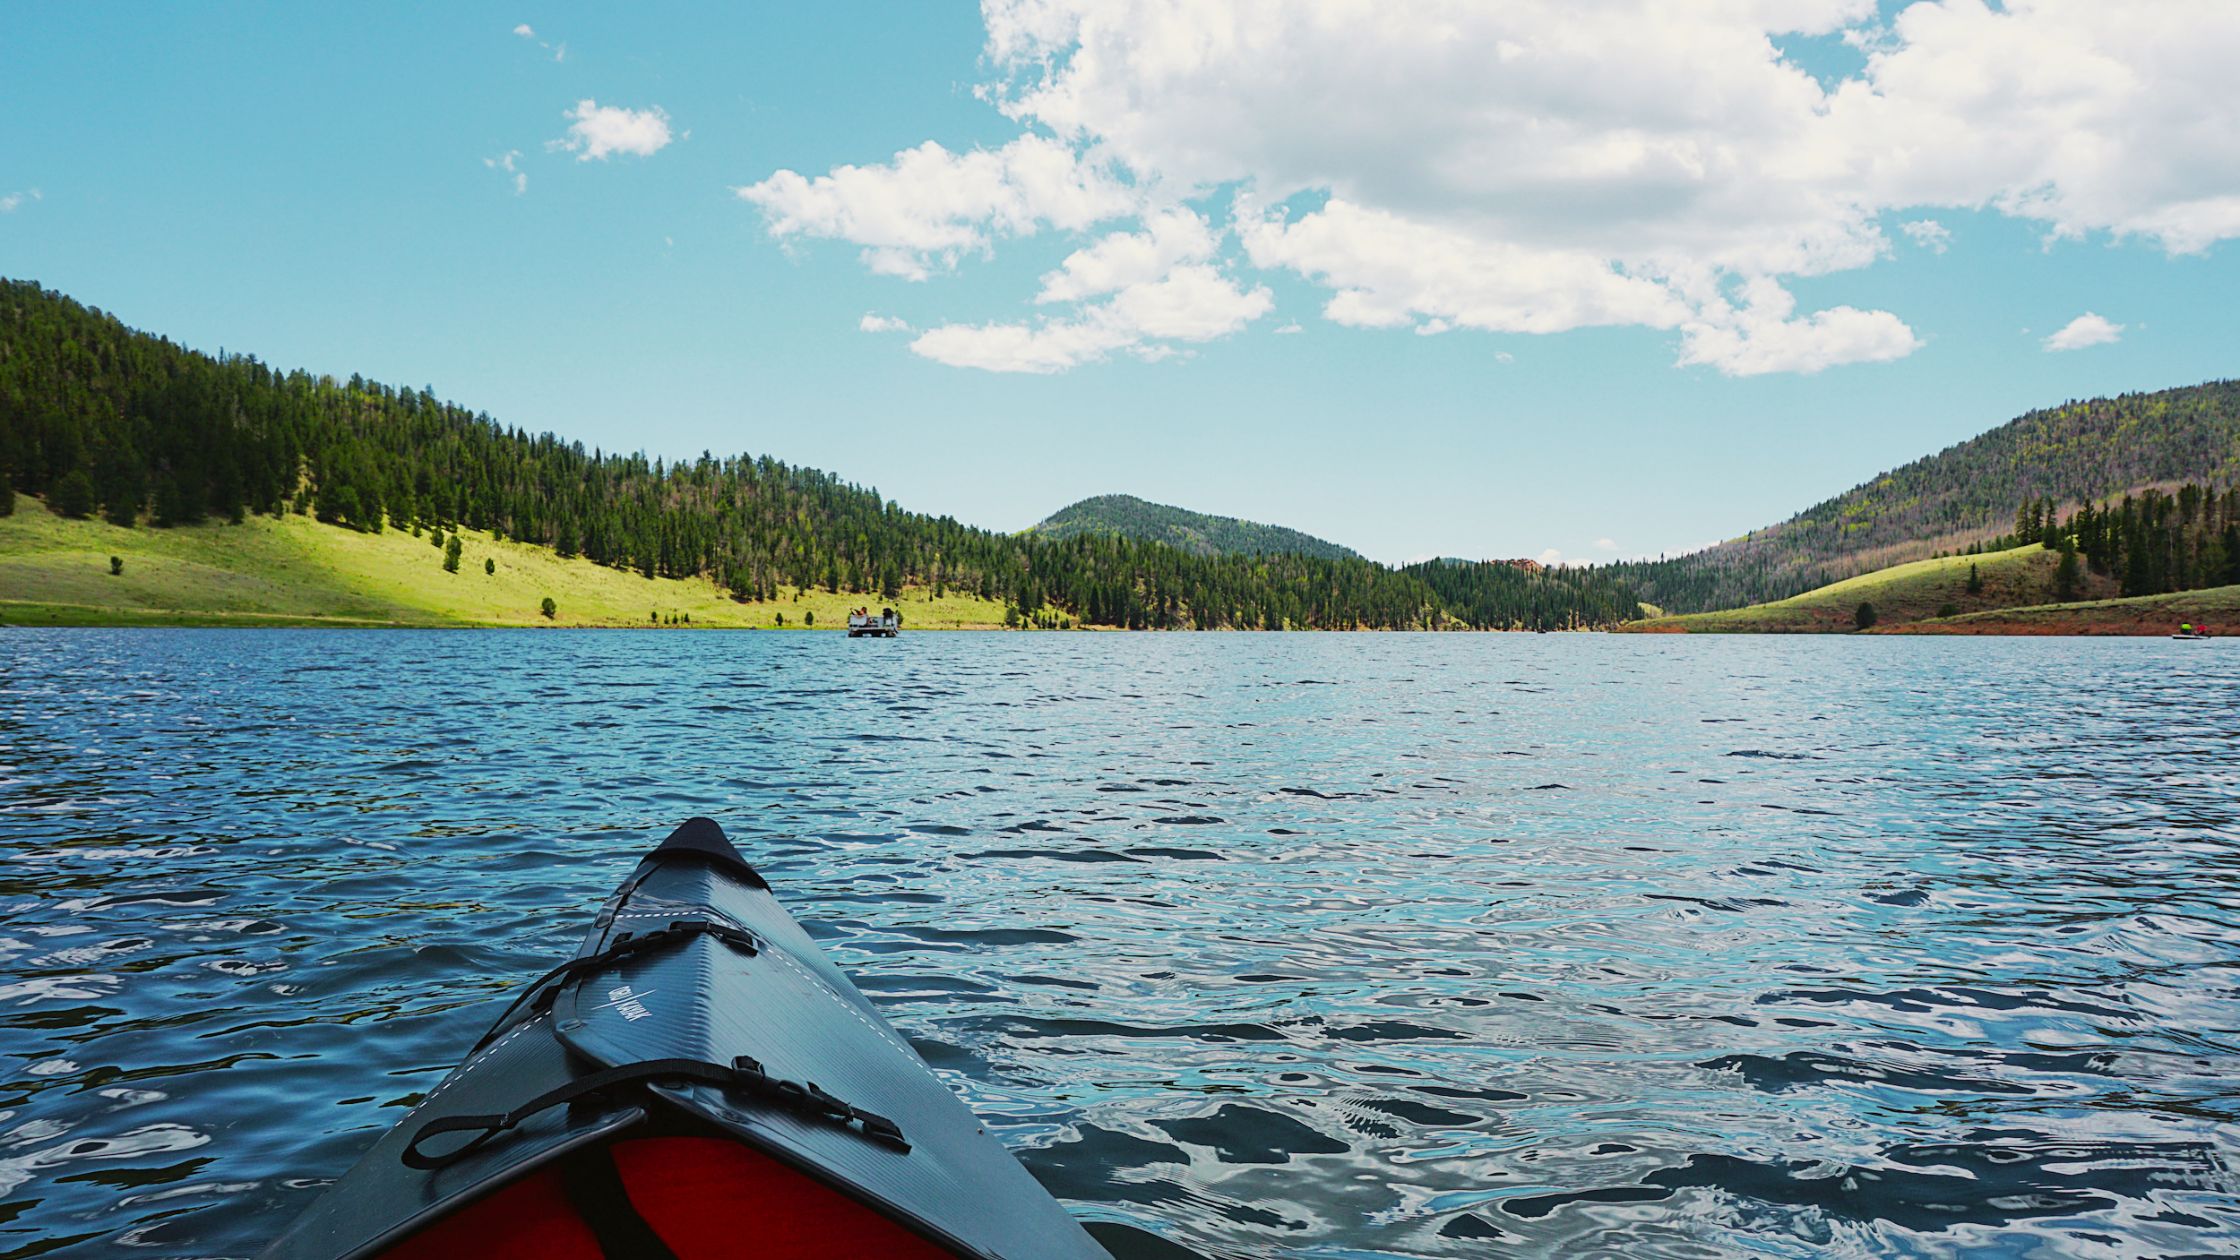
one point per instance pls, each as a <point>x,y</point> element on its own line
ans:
<point>1342,945</point>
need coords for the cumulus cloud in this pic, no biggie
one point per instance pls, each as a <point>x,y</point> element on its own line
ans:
<point>1193,302</point>
<point>1928,234</point>
<point>928,206</point>
<point>1050,347</point>
<point>874,323</point>
<point>1545,165</point>
<point>1125,259</point>
<point>1288,329</point>
<point>1763,335</point>
<point>598,132</point>
<point>2085,330</point>
<point>1551,557</point>
<point>1605,544</point>
<point>10,201</point>
<point>1386,270</point>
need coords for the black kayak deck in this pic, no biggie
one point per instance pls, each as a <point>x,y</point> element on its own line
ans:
<point>693,963</point>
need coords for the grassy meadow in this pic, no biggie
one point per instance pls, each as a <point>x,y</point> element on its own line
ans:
<point>2217,608</point>
<point>1918,591</point>
<point>296,571</point>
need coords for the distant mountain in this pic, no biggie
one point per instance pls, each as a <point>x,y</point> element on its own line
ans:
<point>1966,493</point>
<point>1185,530</point>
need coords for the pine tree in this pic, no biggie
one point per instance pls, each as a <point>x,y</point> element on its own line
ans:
<point>451,555</point>
<point>73,495</point>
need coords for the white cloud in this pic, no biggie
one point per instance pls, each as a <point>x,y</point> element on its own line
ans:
<point>2087,329</point>
<point>1194,302</point>
<point>525,31</point>
<point>1928,234</point>
<point>509,162</point>
<point>874,323</point>
<point>1605,544</point>
<point>9,202</point>
<point>1289,328</point>
<point>1170,238</point>
<point>598,131</point>
<point>1762,335</point>
<point>1387,270</point>
<point>1544,165</point>
<point>1551,556</point>
<point>927,207</point>
<point>1049,347</point>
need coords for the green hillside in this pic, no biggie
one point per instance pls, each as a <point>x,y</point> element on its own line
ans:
<point>99,420</point>
<point>292,570</point>
<point>2071,454</point>
<point>1916,591</point>
<point>1194,532</point>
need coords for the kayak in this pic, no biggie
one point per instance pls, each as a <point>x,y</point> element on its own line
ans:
<point>699,1081</point>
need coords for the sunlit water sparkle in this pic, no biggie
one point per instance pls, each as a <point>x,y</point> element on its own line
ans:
<point>1319,945</point>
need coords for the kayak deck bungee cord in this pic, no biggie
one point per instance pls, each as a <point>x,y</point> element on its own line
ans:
<point>698,1082</point>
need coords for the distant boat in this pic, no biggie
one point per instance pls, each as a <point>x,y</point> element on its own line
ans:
<point>884,626</point>
<point>2186,631</point>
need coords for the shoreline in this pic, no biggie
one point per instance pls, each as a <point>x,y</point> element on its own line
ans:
<point>52,615</point>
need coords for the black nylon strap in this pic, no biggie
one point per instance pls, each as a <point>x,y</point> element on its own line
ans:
<point>745,1075</point>
<point>595,1190</point>
<point>543,989</point>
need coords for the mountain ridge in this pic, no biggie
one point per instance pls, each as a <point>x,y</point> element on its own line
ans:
<point>2079,451</point>
<point>1199,533</point>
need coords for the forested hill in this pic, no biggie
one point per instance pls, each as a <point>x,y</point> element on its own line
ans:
<point>2073,454</point>
<point>1195,532</point>
<point>96,417</point>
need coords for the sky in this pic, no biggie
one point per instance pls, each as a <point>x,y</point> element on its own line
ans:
<point>1557,278</point>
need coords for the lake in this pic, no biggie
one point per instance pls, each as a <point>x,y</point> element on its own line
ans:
<point>1315,945</point>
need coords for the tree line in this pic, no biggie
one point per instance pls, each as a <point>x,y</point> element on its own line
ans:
<point>98,418</point>
<point>2152,542</point>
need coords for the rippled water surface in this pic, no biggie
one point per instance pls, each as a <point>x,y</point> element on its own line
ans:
<point>1340,945</point>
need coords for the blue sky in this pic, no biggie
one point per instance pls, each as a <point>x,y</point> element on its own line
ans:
<point>1557,332</point>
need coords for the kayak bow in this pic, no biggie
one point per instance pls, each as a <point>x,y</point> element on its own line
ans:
<point>699,1081</point>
